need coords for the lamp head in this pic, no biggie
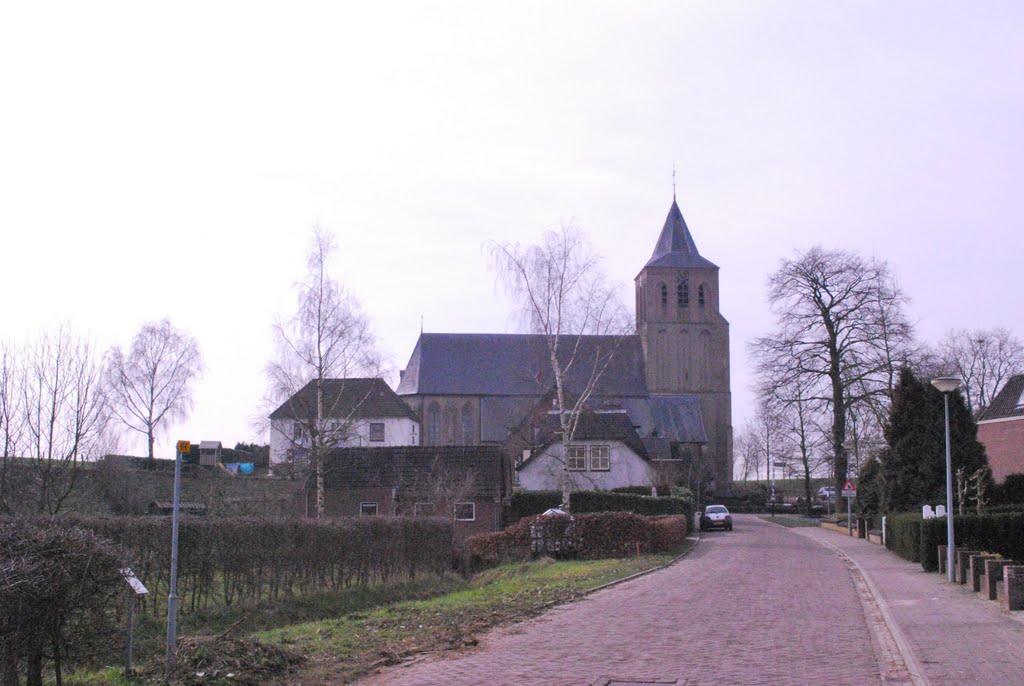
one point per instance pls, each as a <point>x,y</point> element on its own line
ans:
<point>946,384</point>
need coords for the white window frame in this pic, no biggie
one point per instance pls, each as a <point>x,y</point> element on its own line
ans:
<point>455,512</point>
<point>570,458</point>
<point>363,506</point>
<point>606,458</point>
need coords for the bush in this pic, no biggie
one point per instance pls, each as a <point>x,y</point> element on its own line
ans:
<point>60,589</point>
<point>597,535</point>
<point>917,539</point>
<point>530,503</point>
<point>607,501</point>
<point>244,560</point>
<point>634,490</point>
<point>904,535</point>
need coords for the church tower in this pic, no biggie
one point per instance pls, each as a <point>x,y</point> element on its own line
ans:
<point>685,337</point>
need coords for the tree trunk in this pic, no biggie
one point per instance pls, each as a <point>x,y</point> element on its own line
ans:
<point>9,669</point>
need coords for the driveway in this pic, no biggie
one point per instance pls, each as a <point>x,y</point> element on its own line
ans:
<point>757,605</point>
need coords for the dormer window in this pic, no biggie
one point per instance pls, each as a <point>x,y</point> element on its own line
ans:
<point>683,294</point>
<point>700,295</point>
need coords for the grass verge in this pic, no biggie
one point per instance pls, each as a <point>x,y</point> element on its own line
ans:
<point>789,520</point>
<point>355,632</point>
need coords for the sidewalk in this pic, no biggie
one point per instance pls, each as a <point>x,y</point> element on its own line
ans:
<point>947,634</point>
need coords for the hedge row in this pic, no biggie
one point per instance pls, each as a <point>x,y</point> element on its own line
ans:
<point>596,535</point>
<point>917,539</point>
<point>245,560</point>
<point>530,503</point>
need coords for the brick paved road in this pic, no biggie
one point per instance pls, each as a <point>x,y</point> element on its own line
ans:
<point>758,605</point>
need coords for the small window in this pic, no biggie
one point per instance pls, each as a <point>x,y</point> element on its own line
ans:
<point>423,509</point>
<point>683,294</point>
<point>700,295</point>
<point>599,460</point>
<point>297,431</point>
<point>664,295</point>
<point>576,458</point>
<point>367,509</point>
<point>376,432</point>
<point>465,512</point>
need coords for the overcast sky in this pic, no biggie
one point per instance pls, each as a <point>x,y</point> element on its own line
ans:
<point>170,161</point>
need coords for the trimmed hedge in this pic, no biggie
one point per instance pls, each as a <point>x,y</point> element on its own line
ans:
<point>634,490</point>
<point>531,503</point>
<point>597,535</point>
<point>917,539</point>
<point>246,560</point>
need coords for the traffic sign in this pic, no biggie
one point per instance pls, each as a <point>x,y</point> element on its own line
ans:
<point>849,490</point>
<point>184,447</point>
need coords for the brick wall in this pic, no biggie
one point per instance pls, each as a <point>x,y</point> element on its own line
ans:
<point>1004,443</point>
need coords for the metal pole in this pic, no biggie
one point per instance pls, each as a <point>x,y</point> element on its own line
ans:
<point>172,598</point>
<point>949,499</point>
<point>131,633</point>
<point>849,515</point>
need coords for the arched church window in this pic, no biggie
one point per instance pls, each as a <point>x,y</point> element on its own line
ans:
<point>434,425</point>
<point>683,294</point>
<point>467,425</point>
<point>664,295</point>
<point>700,295</point>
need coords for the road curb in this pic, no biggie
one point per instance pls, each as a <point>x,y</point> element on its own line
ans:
<point>646,571</point>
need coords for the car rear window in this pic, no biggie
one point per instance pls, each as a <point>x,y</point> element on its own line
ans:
<point>717,509</point>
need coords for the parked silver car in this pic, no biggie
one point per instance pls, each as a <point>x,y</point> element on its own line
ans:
<point>716,517</point>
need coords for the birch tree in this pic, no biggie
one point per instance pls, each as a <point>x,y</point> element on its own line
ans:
<point>151,386</point>
<point>328,337</point>
<point>563,295</point>
<point>63,411</point>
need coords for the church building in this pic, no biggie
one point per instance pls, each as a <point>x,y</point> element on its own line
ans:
<point>671,378</point>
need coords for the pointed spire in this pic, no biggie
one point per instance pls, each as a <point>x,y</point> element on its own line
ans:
<point>675,246</point>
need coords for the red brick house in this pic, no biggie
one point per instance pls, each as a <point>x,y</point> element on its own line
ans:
<point>1001,430</point>
<point>467,483</point>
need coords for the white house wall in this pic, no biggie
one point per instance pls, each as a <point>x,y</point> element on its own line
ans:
<point>398,431</point>
<point>626,469</point>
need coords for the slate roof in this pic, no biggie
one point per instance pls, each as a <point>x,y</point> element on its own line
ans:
<point>1009,402</point>
<point>517,365</point>
<point>592,426</point>
<point>346,399</point>
<point>412,468</point>
<point>674,417</point>
<point>675,247</point>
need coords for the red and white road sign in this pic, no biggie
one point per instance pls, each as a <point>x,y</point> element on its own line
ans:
<point>849,490</point>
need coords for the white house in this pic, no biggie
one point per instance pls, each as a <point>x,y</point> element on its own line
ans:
<point>606,452</point>
<point>357,413</point>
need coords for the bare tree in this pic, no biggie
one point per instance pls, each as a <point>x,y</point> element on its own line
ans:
<point>984,359</point>
<point>151,386</point>
<point>10,414</point>
<point>840,330</point>
<point>64,413</point>
<point>328,337</point>
<point>563,295</point>
<point>748,448</point>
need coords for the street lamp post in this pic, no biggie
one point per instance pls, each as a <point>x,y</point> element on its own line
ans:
<point>946,385</point>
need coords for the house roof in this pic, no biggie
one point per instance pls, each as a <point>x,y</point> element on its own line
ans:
<point>345,399</point>
<point>417,468</point>
<point>592,426</point>
<point>675,247</point>
<point>1009,402</point>
<point>512,365</point>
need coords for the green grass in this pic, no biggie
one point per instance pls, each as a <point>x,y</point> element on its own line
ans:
<point>789,520</point>
<point>344,635</point>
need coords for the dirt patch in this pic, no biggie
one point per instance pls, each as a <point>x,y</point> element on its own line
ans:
<point>241,662</point>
